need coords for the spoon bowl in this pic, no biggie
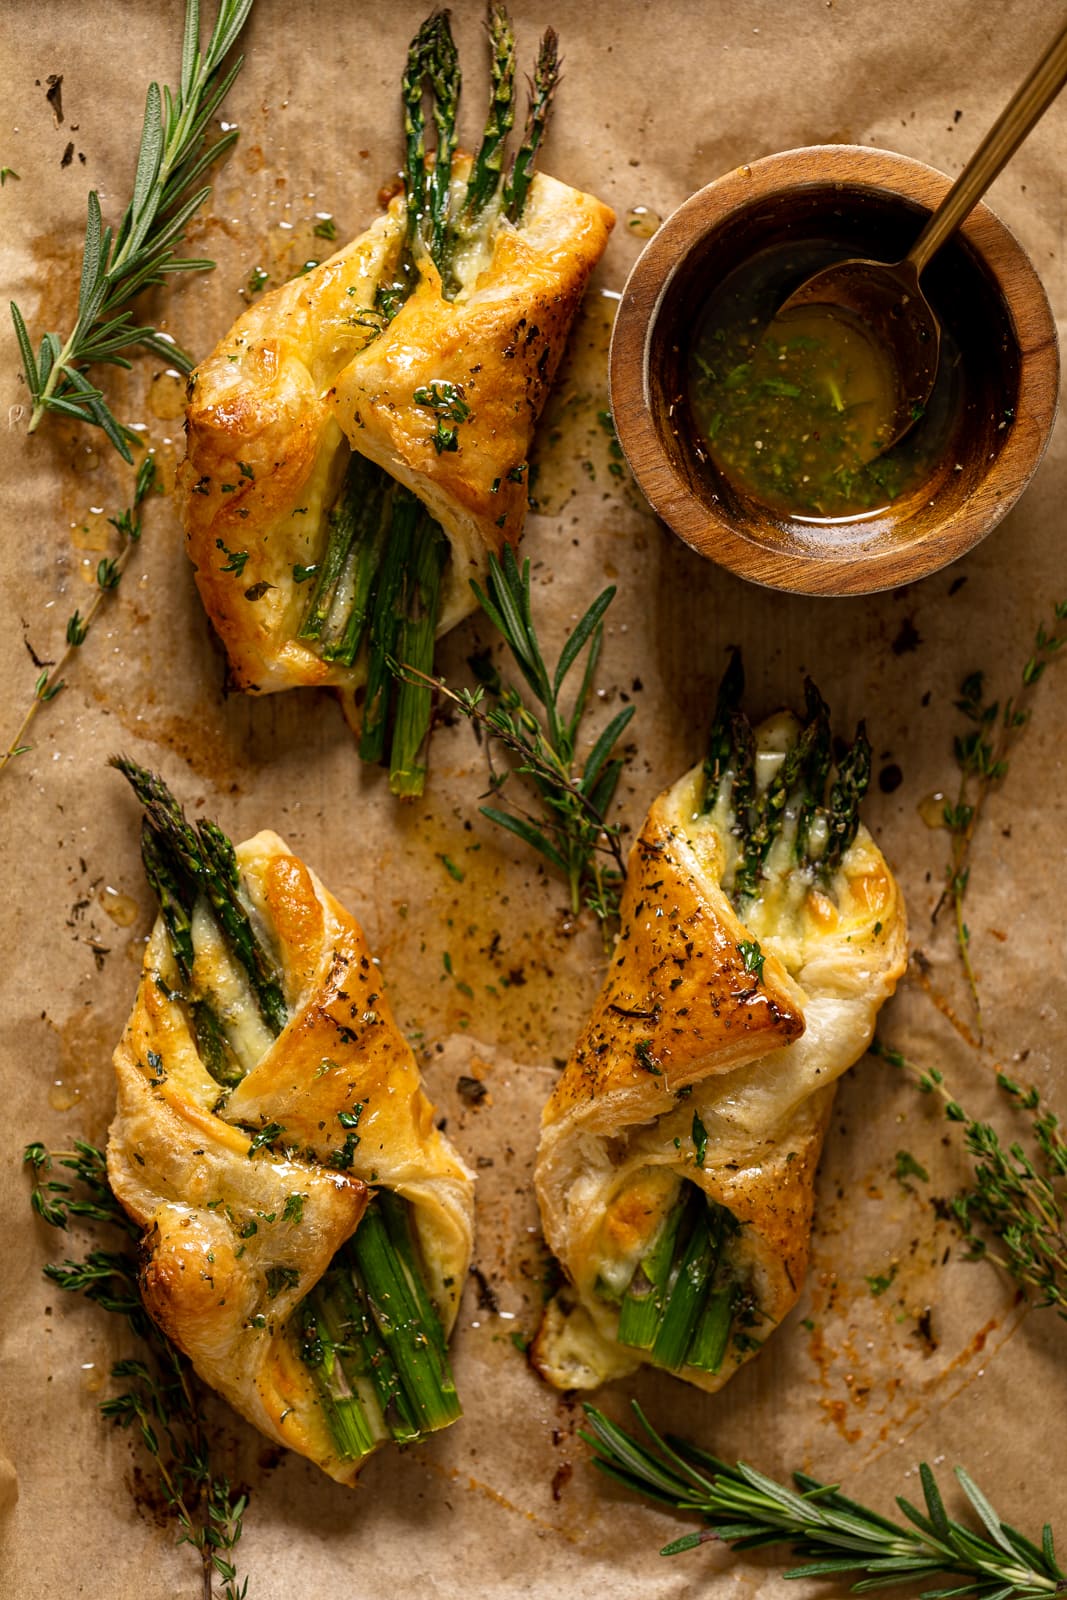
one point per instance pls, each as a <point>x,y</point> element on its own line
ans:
<point>882,302</point>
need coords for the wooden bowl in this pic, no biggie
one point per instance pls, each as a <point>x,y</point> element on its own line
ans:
<point>986,294</point>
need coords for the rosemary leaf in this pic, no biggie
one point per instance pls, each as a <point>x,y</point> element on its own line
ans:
<point>834,1535</point>
<point>117,264</point>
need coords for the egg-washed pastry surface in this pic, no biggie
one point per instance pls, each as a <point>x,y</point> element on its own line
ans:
<point>307,1228</point>
<point>358,443</point>
<point>761,930</point>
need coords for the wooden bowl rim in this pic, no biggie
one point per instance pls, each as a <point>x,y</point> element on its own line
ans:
<point>811,571</point>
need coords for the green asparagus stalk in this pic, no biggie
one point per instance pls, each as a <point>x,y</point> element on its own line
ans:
<point>708,1348</point>
<point>415,175</point>
<point>351,525</point>
<point>545,80</point>
<point>442,69</point>
<point>644,1301</point>
<point>393,1301</point>
<point>175,894</point>
<point>485,174</point>
<point>373,1339</point>
<point>214,1046</point>
<point>361,580</point>
<point>797,790</point>
<point>328,1346</point>
<point>719,758</point>
<point>187,861</point>
<point>843,810</point>
<point>688,1291</point>
<point>668,1310</point>
<point>415,643</point>
<point>385,624</point>
<point>816,769</point>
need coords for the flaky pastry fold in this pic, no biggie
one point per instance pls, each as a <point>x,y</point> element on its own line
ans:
<point>314,369</point>
<point>710,1060</point>
<point>247,1193</point>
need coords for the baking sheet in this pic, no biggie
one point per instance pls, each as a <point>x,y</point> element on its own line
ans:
<point>654,103</point>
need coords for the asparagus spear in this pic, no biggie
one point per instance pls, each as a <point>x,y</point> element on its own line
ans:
<point>442,69</point>
<point>798,787</point>
<point>415,642</point>
<point>185,862</point>
<point>415,175</point>
<point>645,1299</point>
<point>485,174</point>
<point>816,769</point>
<point>543,87</point>
<point>385,622</point>
<point>668,1310</point>
<point>721,743</point>
<point>373,1339</point>
<point>353,527</point>
<point>843,810</point>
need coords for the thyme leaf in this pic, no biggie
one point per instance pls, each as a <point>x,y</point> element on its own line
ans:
<point>982,753</point>
<point>109,574</point>
<point>160,1397</point>
<point>1014,1210</point>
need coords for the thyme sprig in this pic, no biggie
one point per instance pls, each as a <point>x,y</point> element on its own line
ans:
<point>1014,1211</point>
<point>109,571</point>
<point>160,1394</point>
<point>981,754</point>
<point>116,265</point>
<point>835,1536</point>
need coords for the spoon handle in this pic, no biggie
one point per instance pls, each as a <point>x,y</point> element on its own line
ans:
<point>1029,103</point>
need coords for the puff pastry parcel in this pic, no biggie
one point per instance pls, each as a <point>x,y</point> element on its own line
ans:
<point>358,444</point>
<point>307,1228</point>
<point>761,930</point>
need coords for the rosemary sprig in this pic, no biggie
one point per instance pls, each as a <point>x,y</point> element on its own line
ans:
<point>117,265</point>
<point>1014,1212</point>
<point>982,758</point>
<point>570,829</point>
<point>836,1536</point>
<point>161,1394</point>
<point>108,576</point>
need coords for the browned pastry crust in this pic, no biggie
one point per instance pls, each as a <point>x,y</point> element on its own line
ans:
<point>682,1026</point>
<point>305,373</point>
<point>228,1259</point>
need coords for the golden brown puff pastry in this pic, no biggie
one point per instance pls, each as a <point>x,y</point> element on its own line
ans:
<point>708,1070</point>
<point>247,1193</point>
<point>312,368</point>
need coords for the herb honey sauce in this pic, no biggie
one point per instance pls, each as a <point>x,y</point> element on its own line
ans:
<point>792,410</point>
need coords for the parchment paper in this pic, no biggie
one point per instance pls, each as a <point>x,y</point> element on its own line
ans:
<point>656,100</point>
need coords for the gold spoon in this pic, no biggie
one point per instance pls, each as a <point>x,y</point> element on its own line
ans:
<point>883,299</point>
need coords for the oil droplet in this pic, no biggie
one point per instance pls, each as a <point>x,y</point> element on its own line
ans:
<point>121,908</point>
<point>166,397</point>
<point>932,809</point>
<point>165,456</point>
<point>643,222</point>
<point>63,1096</point>
<point>84,459</point>
<point>94,532</point>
